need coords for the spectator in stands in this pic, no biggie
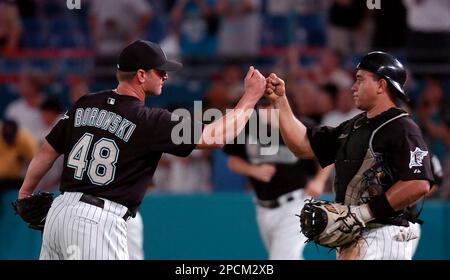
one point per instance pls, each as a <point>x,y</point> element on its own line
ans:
<point>288,65</point>
<point>431,111</point>
<point>25,111</point>
<point>197,22</point>
<point>326,96</point>
<point>305,100</point>
<point>348,26</point>
<point>301,22</point>
<point>51,112</point>
<point>226,90</point>
<point>428,41</point>
<point>171,43</point>
<point>10,26</point>
<point>329,70</point>
<point>28,8</point>
<point>78,88</point>
<point>185,175</point>
<point>17,148</point>
<point>114,23</point>
<point>239,31</point>
<point>277,19</point>
<point>390,26</point>
<point>311,18</point>
<point>345,109</point>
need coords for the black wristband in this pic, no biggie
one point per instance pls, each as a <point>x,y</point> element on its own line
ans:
<point>381,208</point>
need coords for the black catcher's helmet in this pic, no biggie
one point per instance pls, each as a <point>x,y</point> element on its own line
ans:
<point>388,67</point>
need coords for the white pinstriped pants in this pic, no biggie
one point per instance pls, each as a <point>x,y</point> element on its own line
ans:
<point>415,242</point>
<point>280,229</point>
<point>135,237</point>
<point>387,242</point>
<point>75,230</point>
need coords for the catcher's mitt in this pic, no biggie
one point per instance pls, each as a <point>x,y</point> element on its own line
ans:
<point>33,209</point>
<point>332,224</point>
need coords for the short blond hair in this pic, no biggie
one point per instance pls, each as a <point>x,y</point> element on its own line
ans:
<point>124,75</point>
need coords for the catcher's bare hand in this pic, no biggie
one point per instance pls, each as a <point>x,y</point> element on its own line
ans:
<point>314,188</point>
<point>275,87</point>
<point>24,194</point>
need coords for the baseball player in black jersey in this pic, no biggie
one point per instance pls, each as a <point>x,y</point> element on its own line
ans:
<point>384,142</point>
<point>112,144</point>
<point>280,182</point>
<point>438,174</point>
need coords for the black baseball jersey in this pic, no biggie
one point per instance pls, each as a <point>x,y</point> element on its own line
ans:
<point>398,141</point>
<point>112,144</point>
<point>291,172</point>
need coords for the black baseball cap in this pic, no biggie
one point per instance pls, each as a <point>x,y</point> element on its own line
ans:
<point>145,55</point>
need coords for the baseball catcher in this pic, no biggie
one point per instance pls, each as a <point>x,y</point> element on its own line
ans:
<point>333,224</point>
<point>33,209</point>
<point>381,160</point>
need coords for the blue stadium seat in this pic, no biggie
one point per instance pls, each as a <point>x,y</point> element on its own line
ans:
<point>277,31</point>
<point>315,27</point>
<point>157,29</point>
<point>32,36</point>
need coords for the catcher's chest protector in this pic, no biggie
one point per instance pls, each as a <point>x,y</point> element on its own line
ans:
<point>356,155</point>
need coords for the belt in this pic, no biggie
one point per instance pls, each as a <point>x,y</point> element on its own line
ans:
<point>93,200</point>
<point>271,204</point>
<point>275,203</point>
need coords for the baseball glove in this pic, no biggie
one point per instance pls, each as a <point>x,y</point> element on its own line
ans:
<point>331,224</point>
<point>33,209</point>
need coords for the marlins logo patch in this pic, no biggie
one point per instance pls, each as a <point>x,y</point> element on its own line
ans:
<point>417,157</point>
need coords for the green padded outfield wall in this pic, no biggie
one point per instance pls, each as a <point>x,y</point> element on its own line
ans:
<point>217,226</point>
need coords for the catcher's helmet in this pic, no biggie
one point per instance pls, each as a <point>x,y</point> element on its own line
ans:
<point>388,67</point>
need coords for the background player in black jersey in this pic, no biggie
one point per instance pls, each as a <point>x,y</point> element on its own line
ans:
<point>281,182</point>
<point>384,139</point>
<point>112,144</point>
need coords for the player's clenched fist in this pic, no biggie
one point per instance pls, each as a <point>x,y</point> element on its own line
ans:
<point>255,82</point>
<point>274,87</point>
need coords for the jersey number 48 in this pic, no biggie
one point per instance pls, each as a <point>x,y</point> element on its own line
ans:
<point>101,166</point>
